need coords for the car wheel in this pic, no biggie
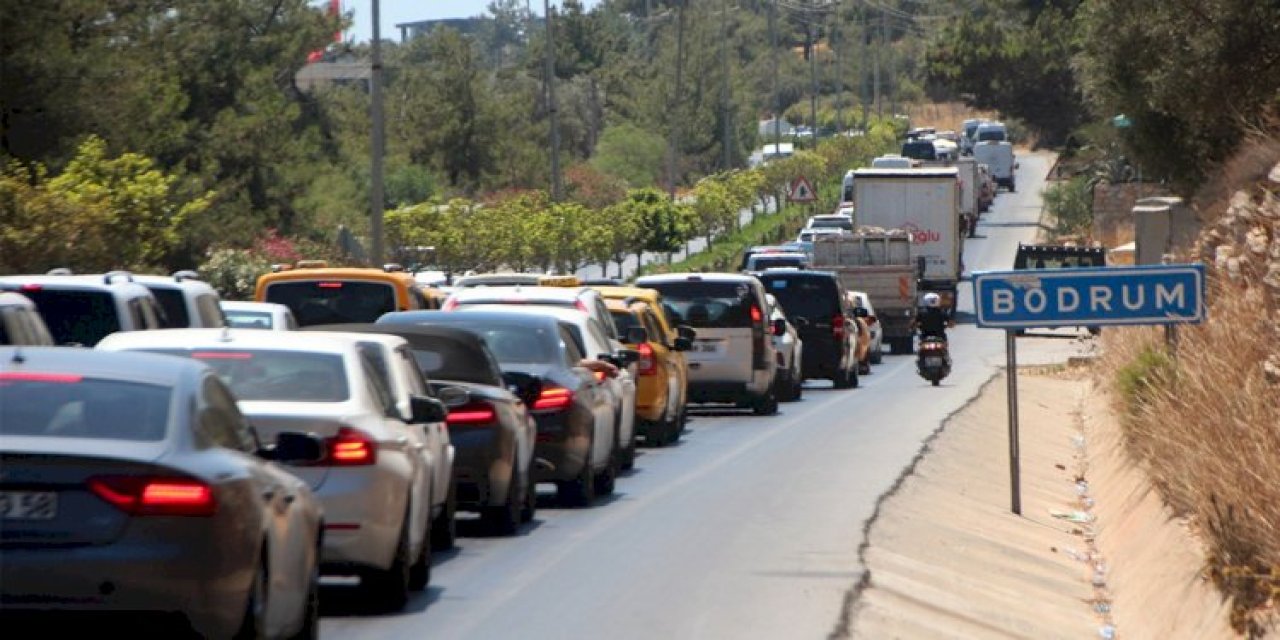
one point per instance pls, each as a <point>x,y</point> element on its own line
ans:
<point>504,520</point>
<point>797,386</point>
<point>607,479</point>
<point>309,628</point>
<point>784,387</point>
<point>253,626</point>
<point>530,508</point>
<point>877,356</point>
<point>389,589</point>
<point>581,491</point>
<point>627,460</point>
<point>864,367</point>
<point>765,405</point>
<point>444,530</point>
<point>420,571</point>
<point>842,380</point>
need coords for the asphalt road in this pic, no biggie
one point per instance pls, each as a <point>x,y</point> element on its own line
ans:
<point>749,528</point>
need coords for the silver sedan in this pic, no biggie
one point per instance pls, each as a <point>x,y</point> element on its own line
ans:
<point>131,483</point>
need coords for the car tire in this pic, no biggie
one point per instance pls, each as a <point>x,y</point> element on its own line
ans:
<point>310,627</point>
<point>842,379</point>
<point>785,388</point>
<point>530,507</point>
<point>581,491</point>
<point>389,589</point>
<point>420,570</point>
<point>877,356</point>
<point>864,367</point>
<point>253,625</point>
<point>765,405</point>
<point>607,479</point>
<point>504,520</point>
<point>627,459</point>
<point>444,529</point>
<point>797,384</point>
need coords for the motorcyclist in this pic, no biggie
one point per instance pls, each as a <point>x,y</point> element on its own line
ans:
<point>933,320</point>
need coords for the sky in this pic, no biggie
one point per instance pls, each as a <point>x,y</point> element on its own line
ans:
<point>398,11</point>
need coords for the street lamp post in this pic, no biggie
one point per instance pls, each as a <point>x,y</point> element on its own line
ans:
<point>375,166</point>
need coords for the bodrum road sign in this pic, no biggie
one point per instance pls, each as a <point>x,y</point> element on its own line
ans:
<point>801,191</point>
<point>1036,298</point>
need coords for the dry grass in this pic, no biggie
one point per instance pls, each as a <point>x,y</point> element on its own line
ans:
<point>1206,426</point>
<point>943,116</point>
<point>1249,165</point>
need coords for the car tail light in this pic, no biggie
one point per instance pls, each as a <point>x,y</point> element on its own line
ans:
<point>756,314</point>
<point>648,365</point>
<point>155,496</point>
<point>599,375</point>
<point>837,327</point>
<point>581,306</point>
<point>351,448</point>
<point>329,285</point>
<point>553,398</point>
<point>40,376</point>
<point>449,304</point>
<point>472,413</point>
<point>31,287</point>
<point>758,333</point>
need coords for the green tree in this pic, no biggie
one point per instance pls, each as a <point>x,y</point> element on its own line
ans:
<point>632,154</point>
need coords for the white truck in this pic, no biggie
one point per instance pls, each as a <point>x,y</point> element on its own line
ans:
<point>970,184</point>
<point>999,156</point>
<point>877,262</point>
<point>925,203</point>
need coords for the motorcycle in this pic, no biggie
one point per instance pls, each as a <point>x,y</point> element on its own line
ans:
<point>934,361</point>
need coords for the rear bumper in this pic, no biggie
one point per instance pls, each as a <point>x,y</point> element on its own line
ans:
<point>364,509</point>
<point>726,392</point>
<point>147,578</point>
<point>564,440</point>
<point>482,465</point>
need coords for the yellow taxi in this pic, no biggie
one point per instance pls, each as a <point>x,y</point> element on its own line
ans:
<point>319,294</point>
<point>662,386</point>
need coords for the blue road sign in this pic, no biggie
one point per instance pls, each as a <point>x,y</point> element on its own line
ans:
<point>1101,296</point>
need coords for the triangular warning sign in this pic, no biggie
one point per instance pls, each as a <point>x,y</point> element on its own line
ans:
<point>801,191</point>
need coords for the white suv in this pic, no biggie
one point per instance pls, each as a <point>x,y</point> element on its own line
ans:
<point>188,302</point>
<point>83,309</point>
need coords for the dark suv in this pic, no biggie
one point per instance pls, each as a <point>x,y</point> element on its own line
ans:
<point>816,303</point>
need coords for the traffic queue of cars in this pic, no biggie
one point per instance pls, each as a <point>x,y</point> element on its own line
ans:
<point>208,461</point>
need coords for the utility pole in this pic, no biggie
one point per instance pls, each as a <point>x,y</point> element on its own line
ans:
<point>552,110</point>
<point>884,51</point>
<point>726,125</point>
<point>864,34</point>
<point>674,114</point>
<point>777,100</point>
<point>376,203</point>
<point>838,78</point>
<point>811,47</point>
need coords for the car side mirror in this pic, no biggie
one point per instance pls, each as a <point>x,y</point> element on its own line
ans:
<point>627,357</point>
<point>686,332</point>
<point>860,312</point>
<point>779,326</point>
<point>525,386</point>
<point>427,409</point>
<point>452,397</point>
<point>295,447</point>
<point>683,344</point>
<point>636,335</point>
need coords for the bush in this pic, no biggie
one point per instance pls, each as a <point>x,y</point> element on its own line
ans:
<point>1071,205</point>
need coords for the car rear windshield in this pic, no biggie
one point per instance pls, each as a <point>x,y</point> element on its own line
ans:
<point>449,360</point>
<point>831,223</point>
<point>333,301</point>
<point>710,305</point>
<point>276,376</point>
<point>920,150</point>
<point>174,305</point>
<point>248,319</point>
<point>84,317</point>
<point>804,296</point>
<point>996,135</point>
<point>762,263</point>
<point>74,406</point>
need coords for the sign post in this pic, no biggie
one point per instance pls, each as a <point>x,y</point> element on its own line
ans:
<point>1095,297</point>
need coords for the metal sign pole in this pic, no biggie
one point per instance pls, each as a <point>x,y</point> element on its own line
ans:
<point>1011,355</point>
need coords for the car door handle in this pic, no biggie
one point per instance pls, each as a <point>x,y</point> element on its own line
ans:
<point>269,494</point>
<point>289,498</point>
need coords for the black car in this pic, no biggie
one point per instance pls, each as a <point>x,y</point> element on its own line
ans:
<point>490,426</point>
<point>919,150</point>
<point>816,304</point>
<point>567,401</point>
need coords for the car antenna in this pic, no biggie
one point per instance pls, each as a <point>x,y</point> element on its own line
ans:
<point>226,334</point>
<point>18,358</point>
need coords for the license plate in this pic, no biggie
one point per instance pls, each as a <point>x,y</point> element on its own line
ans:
<point>933,362</point>
<point>706,346</point>
<point>28,505</point>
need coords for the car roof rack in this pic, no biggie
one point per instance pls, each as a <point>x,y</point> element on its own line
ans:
<point>185,274</point>
<point>60,271</point>
<point>110,276</point>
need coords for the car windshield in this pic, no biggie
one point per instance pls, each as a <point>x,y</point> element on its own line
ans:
<point>83,317</point>
<point>834,222</point>
<point>514,344</point>
<point>920,150</point>
<point>333,301</point>
<point>711,305</point>
<point>174,305</point>
<point>991,134</point>
<point>248,319</point>
<point>276,376</point>
<point>74,406</point>
<point>761,263</point>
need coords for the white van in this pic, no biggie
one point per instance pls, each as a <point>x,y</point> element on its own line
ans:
<point>991,132</point>
<point>1000,158</point>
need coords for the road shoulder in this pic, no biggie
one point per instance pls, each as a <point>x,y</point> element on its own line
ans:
<point>1094,552</point>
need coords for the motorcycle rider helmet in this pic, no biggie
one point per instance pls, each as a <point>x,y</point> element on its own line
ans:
<point>932,300</point>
